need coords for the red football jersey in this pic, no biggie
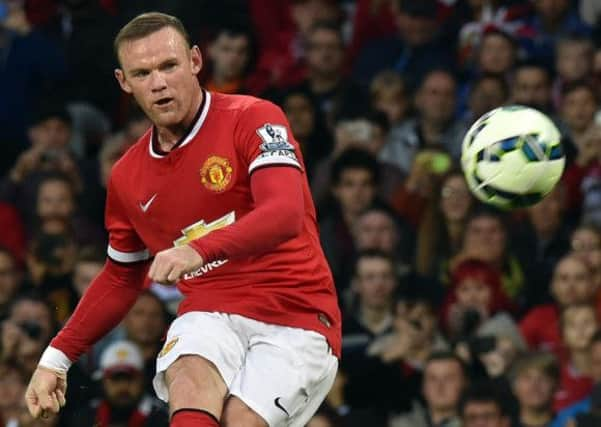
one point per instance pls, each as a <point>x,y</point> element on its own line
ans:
<point>157,200</point>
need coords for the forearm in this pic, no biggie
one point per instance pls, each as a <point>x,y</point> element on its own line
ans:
<point>277,217</point>
<point>103,306</point>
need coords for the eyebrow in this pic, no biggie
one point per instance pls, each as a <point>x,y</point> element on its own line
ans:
<point>162,64</point>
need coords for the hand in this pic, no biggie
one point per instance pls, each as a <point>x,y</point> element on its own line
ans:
<point>171,264</point>
<point>46,392</point>
<point>26,163</point>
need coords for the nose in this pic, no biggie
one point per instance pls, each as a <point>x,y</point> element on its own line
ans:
<point>157,81</point>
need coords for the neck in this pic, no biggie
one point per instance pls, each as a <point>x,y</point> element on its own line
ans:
<point>321,83</point>
<point>439,415</point>
<point>349,218</point>
<point>455,230</point>
<point>373,318</point>
<point>581,360</point>
<point>170,135</point>
<point>535,416</point>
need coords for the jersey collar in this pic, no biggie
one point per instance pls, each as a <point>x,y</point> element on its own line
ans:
<point>153,145</point>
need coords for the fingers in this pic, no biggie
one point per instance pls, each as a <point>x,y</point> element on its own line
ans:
<point>33,404</point>
<point>61,398</point>
<point>166,268</point>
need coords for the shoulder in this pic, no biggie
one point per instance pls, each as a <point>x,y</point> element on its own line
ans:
<point>241,104</point>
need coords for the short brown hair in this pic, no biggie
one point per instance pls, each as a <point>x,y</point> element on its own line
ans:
<point>544,362</point>
<point>148,23</point>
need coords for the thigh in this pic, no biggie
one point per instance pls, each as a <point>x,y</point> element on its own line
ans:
<point>209,336</point>
<point>286,375</point>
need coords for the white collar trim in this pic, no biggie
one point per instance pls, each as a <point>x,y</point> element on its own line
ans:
<point>193,132</point>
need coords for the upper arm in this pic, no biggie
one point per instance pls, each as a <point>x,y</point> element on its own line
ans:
<point>264,138</point>
<point>125,246</point>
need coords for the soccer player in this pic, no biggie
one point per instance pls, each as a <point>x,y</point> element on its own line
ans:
<point>212,198</point>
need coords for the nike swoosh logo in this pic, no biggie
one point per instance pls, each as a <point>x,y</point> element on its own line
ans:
<point>146,205</point>
<point>277,403</point>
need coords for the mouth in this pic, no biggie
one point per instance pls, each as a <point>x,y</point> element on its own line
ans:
<point>164,102</point>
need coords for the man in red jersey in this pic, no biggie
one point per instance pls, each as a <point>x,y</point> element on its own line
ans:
<point>212,198</point>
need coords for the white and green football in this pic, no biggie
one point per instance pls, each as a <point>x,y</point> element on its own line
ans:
<point>512,157</point>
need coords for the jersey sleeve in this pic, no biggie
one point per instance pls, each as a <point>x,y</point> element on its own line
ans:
<point>125,246</point>
<point>264,138</point>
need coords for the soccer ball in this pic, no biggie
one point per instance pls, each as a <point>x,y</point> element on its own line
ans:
<point>512,157</point>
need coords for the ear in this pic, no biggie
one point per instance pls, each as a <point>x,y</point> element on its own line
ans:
<point>195,60</point>
<point>120,76</point>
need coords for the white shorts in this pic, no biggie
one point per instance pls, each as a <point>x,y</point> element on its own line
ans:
<point>281,373</point>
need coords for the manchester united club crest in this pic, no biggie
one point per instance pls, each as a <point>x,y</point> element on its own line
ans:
<point>216,173</point>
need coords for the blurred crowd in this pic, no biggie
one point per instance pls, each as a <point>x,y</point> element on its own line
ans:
<point>455,314</point>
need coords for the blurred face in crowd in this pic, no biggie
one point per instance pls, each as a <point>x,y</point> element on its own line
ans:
<point>160,71</point>
<point>145,322</point>
<point>230,54</point>
<point>301,115</point>
<point>83,274</point>
<point>355,190</point>
<point>485,236</point>
<point>420,318</point>
<point>35,312</point>
<point>497,54</point>
<point>442,384</point>
<point>501,357</point>
<point>393,103</point>
<point>9,277</point>
<point>55,205</point>
<point>578,108</point>
<point>546,215</point>
<point>579,324</point>
<point>123,389</point>
<point>416,30</point>
<point>435,99</point>
<point>307,12</point>
<point>574,60</point>
<point>586,243</point>
<point>375,282</point>
<point>596,362</point>
<point>325,52</point>
<point>376,230</point>
<point>12,389</point>
<point>455,198</point>
<point>488,94</point>
<point>473,293</point>
<point>551,10</point>
<point>484,414</point>
<point>534,389</point>
<point>572,282</point>
<point>532,87</point>
<point>53,133</point>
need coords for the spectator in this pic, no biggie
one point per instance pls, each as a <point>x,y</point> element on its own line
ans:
<point>584,405</point>
<point>124,401</point>
<point>579,323</point>
<point>486,93</point>
<point>573,62</point>
<point>443,382</point>
<point>10,281</point>
<point>541,240</point>
<point>572,283</point>
<point>231,56</point>
<point>442,224</point>
<point>435,126</point>
<point>531,85</point>
<point>416,50</point>
<point>389,95</point>
<point>577,110</point>
<point>534,379</point>
<point>88,263</point>
<point>497,53</point>
<point>145,325</point>
<point>485,239</point>
<point>12,388</point>
<point>355,176</point>
<point>483,405</point>
<point>586,242</point>
<point>379,228</point>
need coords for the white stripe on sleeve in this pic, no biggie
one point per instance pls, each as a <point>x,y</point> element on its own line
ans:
<point>127,256</point>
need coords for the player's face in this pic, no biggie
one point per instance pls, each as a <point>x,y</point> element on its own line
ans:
<point>161,73</point>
